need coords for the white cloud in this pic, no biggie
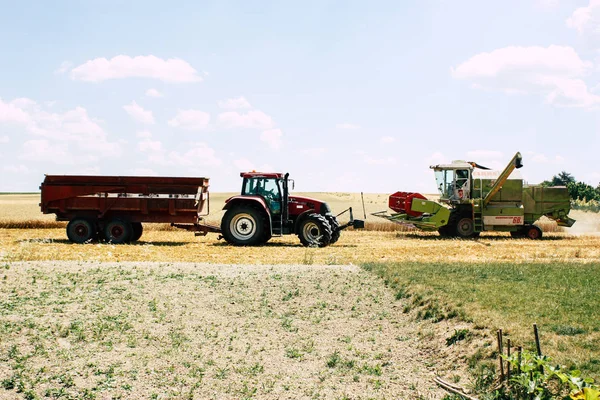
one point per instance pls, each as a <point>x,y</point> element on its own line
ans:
<point>4,139</point>
<point>172,70</point>
<point>138,113</point>
<point>540,158</point>
<point>380,161</point>
<point>555,72</point>
<point>547,4</point>
<point>387,139</point>
<point>144,134</point>
<point>347,126</point>
<point>16,169</point>
<point>272,137</point>
<point>198,154</point>
<point>72,130</point>
<point>9,112</point>
<point>234,103</point>
<point>150,146</point>
<point>586,19</point>
<point>192,120</point>
<point>64,67</point>
<point>435,158</point>
<point>252,119</point>
<point>153,93</point>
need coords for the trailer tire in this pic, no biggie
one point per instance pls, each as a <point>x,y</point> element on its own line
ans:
<point>335,226</point>
<point>314,230</point>
<point>137,229</point>
<point>80,230</point>
<point>465,228</point>
<point>244,225</point>
<point>118,231</point>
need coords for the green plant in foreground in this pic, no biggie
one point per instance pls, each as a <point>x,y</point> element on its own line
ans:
<point>536,377</point>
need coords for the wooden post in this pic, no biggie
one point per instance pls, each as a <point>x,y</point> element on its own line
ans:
<point>500,354</point>
<point>508,361</point>
<point>537,344</point>
<point>519,351</point>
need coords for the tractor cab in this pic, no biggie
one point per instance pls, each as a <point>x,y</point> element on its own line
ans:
<point>454,181</point>
<point>270,186</point>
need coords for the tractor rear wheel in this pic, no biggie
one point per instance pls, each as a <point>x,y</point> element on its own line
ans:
<point>81,230</point>
<point>118,231</point>
<point>244,226</point>
<point>465,228</point>
<point>314,230</point>
<point>335,228</point>
<point>136,231</point>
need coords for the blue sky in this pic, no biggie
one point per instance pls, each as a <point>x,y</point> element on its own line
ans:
<point>344,95</point>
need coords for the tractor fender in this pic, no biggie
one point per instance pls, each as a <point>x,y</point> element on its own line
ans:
<point>256,201</point>
<point>301,218</point>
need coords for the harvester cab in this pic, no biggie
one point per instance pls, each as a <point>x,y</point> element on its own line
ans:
<point>454,181</point>
<point>266,208</point>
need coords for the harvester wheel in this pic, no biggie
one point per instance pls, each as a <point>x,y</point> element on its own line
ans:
<point>81,230</point>
<point>335,225</point>
<point>118,231</point>
<point>519,234</point>
<point>244,226</point>
<point>465,227</point>
<point>315,230</point>
<point>136,231</point>
<point>445,231</point>
<point>533,232</point>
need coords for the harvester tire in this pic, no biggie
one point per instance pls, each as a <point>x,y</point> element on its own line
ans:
<point>517,234</point>
<point>465,228</point>
<point>335,226</point>
<point>445,231</point>
<point>244,225</point>
<point>315,230</point>
<point>136,231</point>
<point>118,231</point>
<point>533,232</point>
<point>81,230</point>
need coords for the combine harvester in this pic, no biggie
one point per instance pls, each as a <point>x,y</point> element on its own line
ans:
<point>474,201</point>
<point>113,208</point>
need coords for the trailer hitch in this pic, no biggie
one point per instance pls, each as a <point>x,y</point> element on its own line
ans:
<point>355,223</point>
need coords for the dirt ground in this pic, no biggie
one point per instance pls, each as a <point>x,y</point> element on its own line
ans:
<point>141,330</point>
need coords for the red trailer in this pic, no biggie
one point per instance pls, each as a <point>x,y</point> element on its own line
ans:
<point>114,207</point>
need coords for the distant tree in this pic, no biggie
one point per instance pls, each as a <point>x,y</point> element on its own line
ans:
<point>582,191</point>
<point>563,179</point>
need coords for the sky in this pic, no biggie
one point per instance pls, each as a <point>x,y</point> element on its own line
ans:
<point>344,95</point>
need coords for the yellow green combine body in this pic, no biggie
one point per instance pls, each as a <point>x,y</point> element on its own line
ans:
<point>473,201</point>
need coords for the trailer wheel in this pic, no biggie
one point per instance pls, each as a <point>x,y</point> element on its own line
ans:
<point>244,226</point>
<point>335,225</point>
<point>136,231</point>
<point>465,228</point>
<point>80,230</point>
<point>533,232</point>
<point>314,230</point>
<point>118,231</point>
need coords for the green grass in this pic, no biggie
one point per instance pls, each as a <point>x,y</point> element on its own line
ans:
<point>562,298</point>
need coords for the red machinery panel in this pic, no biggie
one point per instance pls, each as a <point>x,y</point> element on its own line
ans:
<point>401,202</point>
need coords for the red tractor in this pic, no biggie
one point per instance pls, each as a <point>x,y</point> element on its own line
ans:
<point>265,208</point>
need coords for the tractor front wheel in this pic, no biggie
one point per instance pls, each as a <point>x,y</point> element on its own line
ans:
<point>315,230</point>
<point>335,228</point>
<point>244,226</point>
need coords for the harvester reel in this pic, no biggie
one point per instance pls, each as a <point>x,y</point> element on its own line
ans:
<point>315,230</point>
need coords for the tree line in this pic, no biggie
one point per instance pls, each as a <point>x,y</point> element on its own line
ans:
<point>577,190</point>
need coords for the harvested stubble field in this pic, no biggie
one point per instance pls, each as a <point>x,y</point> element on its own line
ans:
<point>492,282</point>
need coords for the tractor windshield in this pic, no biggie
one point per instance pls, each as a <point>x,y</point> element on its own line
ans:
<point>268,188</point>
